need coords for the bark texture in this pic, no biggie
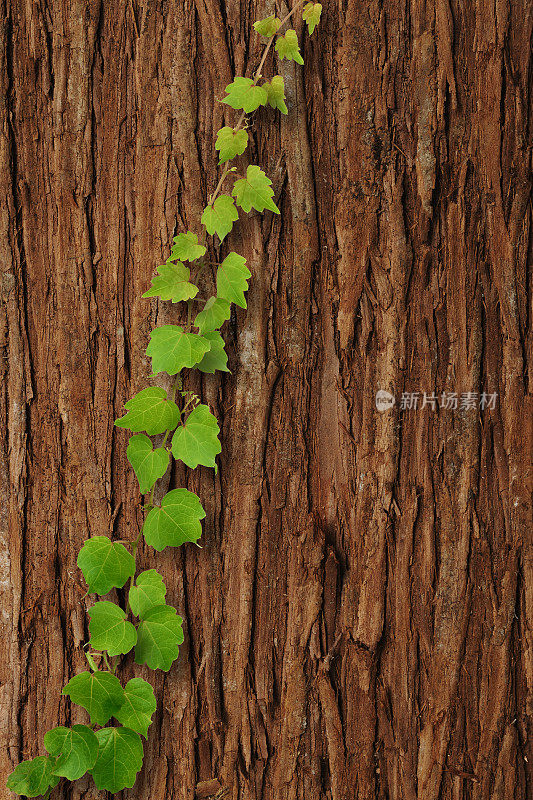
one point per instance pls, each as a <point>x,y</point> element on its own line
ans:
<point>360,618</point>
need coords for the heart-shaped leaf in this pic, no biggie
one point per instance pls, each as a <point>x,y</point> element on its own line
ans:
<point>147,591</point>
<point>139,705</point>
<point>159,636</point>
<point>75,750</point>
<point>196,442</point>
<point>150,411</point>
<point>110,629</point>
<point>149,464</point>
<point>120,757</point>
<point>105,564</point>
<point>175,522</point>
<point>100,693</point>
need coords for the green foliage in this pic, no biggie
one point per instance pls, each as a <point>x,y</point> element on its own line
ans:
<point>232,279</point>
<point>186,247</point>
<point>99,693</point>
<point>150,410</point>
<point>120,757</point>
<point>110,629</point>
<point>148,590</point>
<point>254,191</point>
<point>196,442</point>
<point>219,217</point>
<point>105,564</point>
<point>171,349</point>
<point>216,358</point>
<point>243,93</point>
<point>159,637</point>
<point>148,464</point>
<point>267,27</point>
<point>275,90</point>
<point>230,143</point>
<point>215,312</point>
<point>75,750</point>
<point>311,14</point>
<point>172,283</point>
<point>139,705</point>
<point>176,521</point>
<point>287,47</point>
<point>32,778</point>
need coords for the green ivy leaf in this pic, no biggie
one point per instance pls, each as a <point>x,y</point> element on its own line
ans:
<point>99,693</point>
<point>33,777</point>
<point>196,442</point>
<point>171,349</point>
<point>276,93</point>
<point>172,283</point>
<point>159,637</point>
<point>219,217</point>
<point>287,47</point>
<point>120,757</point>
<point>148,590</point>
<point>232,279</point>
<point>175,522</point>
<point>267,27</point>
<point>243,93</point>
<point>149,465</point>
<point>215,312</point>
<point>139,705</point>
<point>230,143</point>
<point>110,629</point>
<point>186,247</point>
<point>216,358</point>
<point>311,14</point>
<point>150,411</point>
<point>105,564</point>
<point>74,748</point>
<point>254,191</point>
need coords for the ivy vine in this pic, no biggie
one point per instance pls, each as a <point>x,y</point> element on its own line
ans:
<point>113,753</point>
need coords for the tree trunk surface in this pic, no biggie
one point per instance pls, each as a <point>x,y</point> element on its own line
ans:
<point>359,620</point>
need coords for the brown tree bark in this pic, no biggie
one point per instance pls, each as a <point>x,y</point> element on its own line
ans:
<point>359,621</point>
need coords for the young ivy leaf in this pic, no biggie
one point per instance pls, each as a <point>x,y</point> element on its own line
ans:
<point>311,14</point>
<point>196,442</point>
<point>267,27</point>
<point>219,217</point>
<point>120,757</point>
<point>175,522</point>
<point>159,637</point>
<point>172,283</point>
<point>186,247</point>
<point>276,93</point>
<point>32,778</point>
<point>171,349</point>
<point>243,93</point>
<point>254,191</point>
<point>99,693</point>
<point>110,629</point>
<point>216,358</point>
<point>74,748</point>
<point>232,279</point>
<point>139,705</point>
<point>148,590</point>
<point>230,143</point>
<point>149,465</point>
<point>150,411</point>
<point>287,47</point>
<point>213,315</point>
<point>105,564</point>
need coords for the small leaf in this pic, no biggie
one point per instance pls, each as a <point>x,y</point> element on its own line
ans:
<point>254,191</point>
<point>311,14</point>
<point>215,312</point>
<point>99,693</point>
<point>230,143</point>
<point>216,358</point>
<point>196,442</point>
<point>150,411</point>
<point>186,247</point>
<point>232,279</point>
<point>172,283</point>
<point>287,47</point>
<point>276,93</point>
<point>105,564</point>
<point>120,757</point>
<point>110,629</point>
<point>171,349</point>
<point>243,93</point>
<point>159,637</point>
<point>139,705</point>
<point>32,778</point>
<point>175,522</point>
<point>149,465</point>
<point>148,590</point>
<point>219,217</point>
<point>267,27</point>
<point>75,749</point>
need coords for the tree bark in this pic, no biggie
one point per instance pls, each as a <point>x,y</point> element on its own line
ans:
<point>359,620</point>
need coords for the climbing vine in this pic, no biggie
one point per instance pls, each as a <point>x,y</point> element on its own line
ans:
<point>113,753</point>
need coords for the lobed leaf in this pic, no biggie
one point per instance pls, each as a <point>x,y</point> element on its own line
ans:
<point>196,442</point>
<point>172,283</point>
<point>99,693</point>
<point>110,630</point>
<point>311,14</point>
<point>230,143</point>
<point>243,93</point>
<point>33,777</point>
<point>232,279</point>
<point>216,358</point>
<point>213,315</point>
<point>139,705</point>
<point>275,90</point>
<point>159,636</point>
<point>150,410</point>
<point>171,349</point>
<point>186,247</point>
<point>149,465</point>
<point>220,216</point>
<point>120,757</point>
<point>105,564</point>
<point>147,591</point>
<point>176,521</point>
<point>254,191</point>
<point>287,47</point>
<point>75,750</point>
<point>267,27</point>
